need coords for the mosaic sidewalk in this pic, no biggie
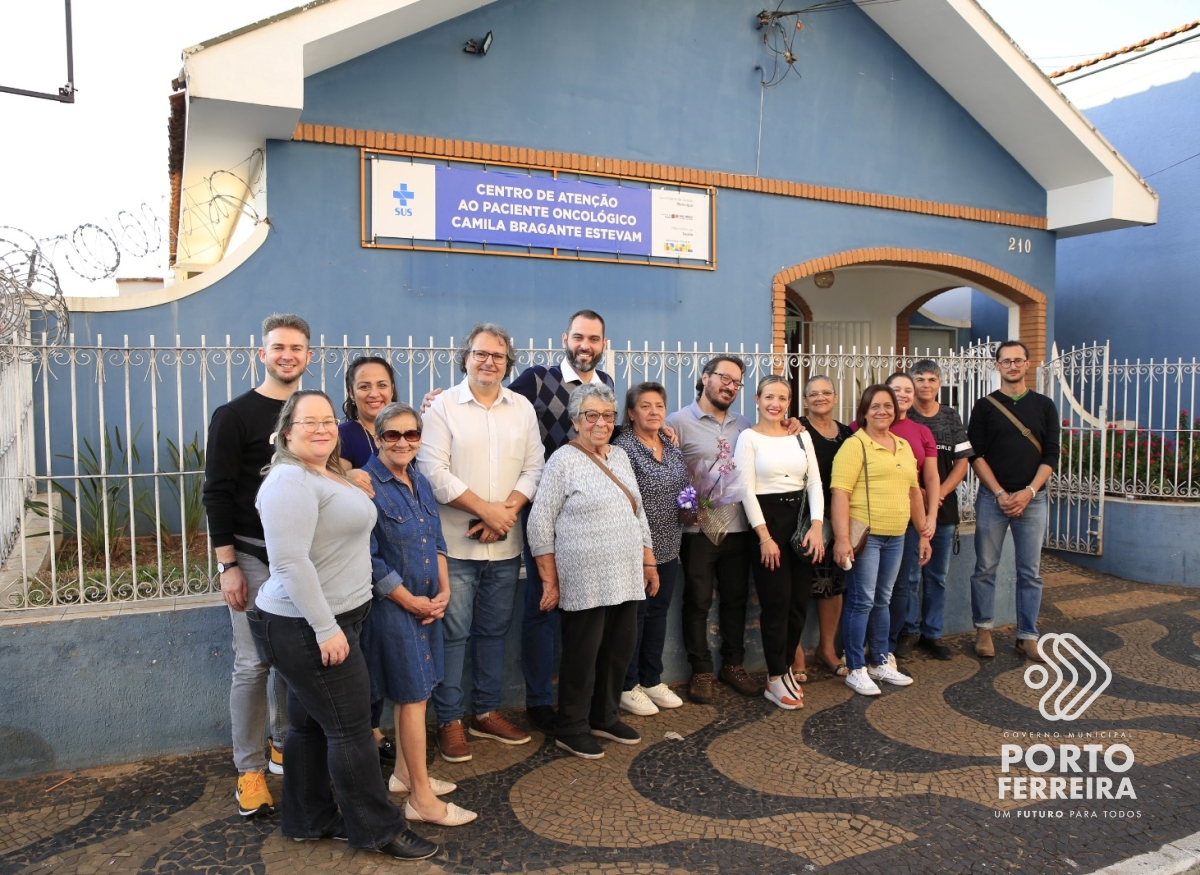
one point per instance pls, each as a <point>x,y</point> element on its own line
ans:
<point>906,782</point>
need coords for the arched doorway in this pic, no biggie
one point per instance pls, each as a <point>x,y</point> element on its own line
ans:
<point>917,276</point>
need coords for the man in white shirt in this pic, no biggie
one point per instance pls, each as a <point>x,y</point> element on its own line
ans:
<point>482,452</point>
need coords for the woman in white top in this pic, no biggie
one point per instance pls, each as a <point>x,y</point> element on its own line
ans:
<point>779,469</point>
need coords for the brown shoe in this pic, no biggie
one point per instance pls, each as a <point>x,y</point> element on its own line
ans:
<point>452,742</point>
<point>736,677</point>
<point>983,643</point>
<point>1028,648</point>
<point>492,725</point>
<point>700,690</point>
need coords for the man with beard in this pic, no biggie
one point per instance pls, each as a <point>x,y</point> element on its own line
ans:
<point>240,444</point>
<point>708,568</point>
<point>1015,434</point>
<point>482,453</point>
<point>549,390</point>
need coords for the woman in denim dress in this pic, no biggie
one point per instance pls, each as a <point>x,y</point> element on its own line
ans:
<point>402,637</point>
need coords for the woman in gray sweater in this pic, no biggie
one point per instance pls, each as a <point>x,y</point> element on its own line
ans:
<point>306,623</point>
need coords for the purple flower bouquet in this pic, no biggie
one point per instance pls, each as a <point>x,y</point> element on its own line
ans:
<point>712,499</point>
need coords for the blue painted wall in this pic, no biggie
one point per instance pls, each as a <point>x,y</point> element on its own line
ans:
<point>1138,287</point>
<point>671,82</point>
<point>1148,541</point>
<point>312,263</point>
<point>88,692</point>
<point>989,319</point>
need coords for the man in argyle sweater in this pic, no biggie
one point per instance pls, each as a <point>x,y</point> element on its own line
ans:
<point>549,389</point>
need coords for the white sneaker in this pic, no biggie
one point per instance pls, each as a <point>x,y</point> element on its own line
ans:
<point>782,694</point>
<point>662,696</point>
<point>889,674</point>
<point>892,662</point>
<point>636,702</point>
<point>859,681</point>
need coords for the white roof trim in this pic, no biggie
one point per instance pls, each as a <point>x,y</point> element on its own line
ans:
<point>1089,186</point>
<point>248,86</point>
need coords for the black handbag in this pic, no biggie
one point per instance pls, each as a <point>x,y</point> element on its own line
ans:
<point>804,520</point>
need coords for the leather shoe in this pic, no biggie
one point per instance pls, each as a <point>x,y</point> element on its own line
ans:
<point>1028,648</point>
<point>983,643</point>
<point>541,718</point>
<point>736,677</point>
<point>700,690</point>
<point>904,645</point>
<point>934,647</point>
<point>407,845</point>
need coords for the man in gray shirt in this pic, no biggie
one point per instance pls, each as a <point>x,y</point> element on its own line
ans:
<point>707,567</point>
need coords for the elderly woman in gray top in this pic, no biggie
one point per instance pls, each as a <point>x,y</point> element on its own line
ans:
<point>588,533</point>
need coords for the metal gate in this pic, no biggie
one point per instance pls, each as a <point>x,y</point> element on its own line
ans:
<point>1077,383</point>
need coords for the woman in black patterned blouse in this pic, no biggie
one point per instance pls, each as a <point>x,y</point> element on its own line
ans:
<point>829,581</point>
<point>661,475</point>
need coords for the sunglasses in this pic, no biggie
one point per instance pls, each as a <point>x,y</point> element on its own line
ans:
<point>392,435</point>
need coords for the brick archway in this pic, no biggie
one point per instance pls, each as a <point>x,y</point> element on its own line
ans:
<point>1031,303</point>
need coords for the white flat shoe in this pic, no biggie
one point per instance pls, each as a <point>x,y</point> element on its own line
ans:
<point>455,816</point>
<point>439,787</point>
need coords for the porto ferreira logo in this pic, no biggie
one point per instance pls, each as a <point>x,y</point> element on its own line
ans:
<point>1072,691</point>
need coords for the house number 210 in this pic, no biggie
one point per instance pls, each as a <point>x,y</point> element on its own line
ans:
<point>1020,244</point>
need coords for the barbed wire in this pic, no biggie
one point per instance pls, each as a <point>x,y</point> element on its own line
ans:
<point>210,204</point>
<point>31,298</point>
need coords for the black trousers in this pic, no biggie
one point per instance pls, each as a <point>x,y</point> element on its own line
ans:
<point>330,742</point>
<point>597,645</point>
<point>782,593</point>
<point>726,571</point>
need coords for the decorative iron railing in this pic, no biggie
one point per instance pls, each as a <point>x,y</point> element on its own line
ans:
<point>108,457</point>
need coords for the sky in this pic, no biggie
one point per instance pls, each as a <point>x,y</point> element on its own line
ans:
<point>66,165</point>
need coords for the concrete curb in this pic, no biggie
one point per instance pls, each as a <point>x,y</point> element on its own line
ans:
<point>1173,858</point>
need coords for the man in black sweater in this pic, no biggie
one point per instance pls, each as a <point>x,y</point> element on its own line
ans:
<point>1015,435</point>
<point>240,443</point>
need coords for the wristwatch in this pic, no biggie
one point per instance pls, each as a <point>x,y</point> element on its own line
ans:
<point>222,567</point>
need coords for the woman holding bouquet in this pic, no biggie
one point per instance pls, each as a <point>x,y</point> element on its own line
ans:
<point>661,476</point>
<point>781,473</point>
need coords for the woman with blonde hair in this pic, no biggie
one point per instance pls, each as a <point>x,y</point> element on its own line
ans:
<point>781,476</point>
<point>306,622</point>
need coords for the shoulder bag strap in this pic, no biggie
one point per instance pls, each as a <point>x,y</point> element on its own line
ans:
<point>866,478</point>
<point>611,476</point>
<point>1021,427</point>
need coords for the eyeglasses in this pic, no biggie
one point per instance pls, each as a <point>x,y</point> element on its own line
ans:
<point>1012,363</point>
<point>314,425</point>
<point>825,394</point>
<point>390,436</point>
<point>727,380</point>
<point>482,356</point>
<point>594,416</point>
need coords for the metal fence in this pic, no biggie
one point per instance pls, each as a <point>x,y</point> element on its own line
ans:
<point>16,450</point>
<point>117,433</point>
<point>1152,450</point>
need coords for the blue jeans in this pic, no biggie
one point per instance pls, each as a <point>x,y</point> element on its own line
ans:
<point>1028,531</point>
<point>330,739</point>
<point>481,607</point>
<point>537,635</point>
<point>919,599</point>
<point>868,591</point>
<point>646,667</point>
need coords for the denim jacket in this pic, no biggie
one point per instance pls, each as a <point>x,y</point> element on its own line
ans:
<point>407,538</point>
